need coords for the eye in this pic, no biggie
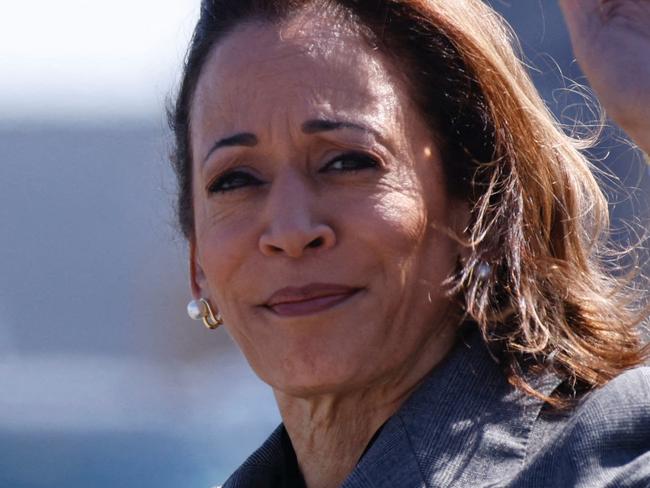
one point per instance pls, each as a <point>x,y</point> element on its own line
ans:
<point>351,162</point>
<point>233,180</point>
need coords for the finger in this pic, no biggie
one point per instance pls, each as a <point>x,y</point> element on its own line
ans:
<point>580,15</point>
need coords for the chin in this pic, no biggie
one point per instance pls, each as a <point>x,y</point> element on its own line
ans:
<point>305,379</point>
<point>309,388</point>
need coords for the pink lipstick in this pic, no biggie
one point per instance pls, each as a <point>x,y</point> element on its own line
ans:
<point>313,298</point>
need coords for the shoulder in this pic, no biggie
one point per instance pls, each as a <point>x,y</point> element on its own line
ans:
<point>605,441</point>
<point>612,425</point>
<point>633,385</point>
<point>620,407</point>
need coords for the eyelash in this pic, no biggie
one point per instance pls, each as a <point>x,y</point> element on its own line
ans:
<point>224,183</point>
<point>219,185</point>
<point>366,160</point>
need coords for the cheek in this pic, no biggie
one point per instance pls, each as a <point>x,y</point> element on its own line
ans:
<point>417,255</point>
<point>402,214</point>
<point>397,206</point>
<point>225,244</point>
<point>395,223</point>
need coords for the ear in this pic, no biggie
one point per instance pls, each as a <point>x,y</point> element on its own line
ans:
<point>198,283</point>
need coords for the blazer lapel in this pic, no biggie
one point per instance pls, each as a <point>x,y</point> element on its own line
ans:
<point>390,461</point>
<point>464,426</point>
<point>263,468</point>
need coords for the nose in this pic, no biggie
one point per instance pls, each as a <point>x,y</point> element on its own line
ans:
<point>292,229</point>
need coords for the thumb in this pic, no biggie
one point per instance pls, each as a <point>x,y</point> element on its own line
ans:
<point>580,16</point>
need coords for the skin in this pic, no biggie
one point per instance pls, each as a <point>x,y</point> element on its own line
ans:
<point>299,210</point>
<point>611,41</point>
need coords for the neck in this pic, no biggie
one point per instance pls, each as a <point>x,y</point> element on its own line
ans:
<point>329,432</point>
<point>330,435</point>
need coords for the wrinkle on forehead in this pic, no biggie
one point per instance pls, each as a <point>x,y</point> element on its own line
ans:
<point>246,68</point>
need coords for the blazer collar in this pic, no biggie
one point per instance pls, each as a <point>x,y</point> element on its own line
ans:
<point>464,425</point>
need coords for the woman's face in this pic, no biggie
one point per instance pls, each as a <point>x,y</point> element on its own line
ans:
<point>318,196</point>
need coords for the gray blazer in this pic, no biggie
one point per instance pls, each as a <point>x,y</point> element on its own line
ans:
<point>467,427</point>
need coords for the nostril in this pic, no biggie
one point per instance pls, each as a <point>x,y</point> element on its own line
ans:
<point>316,242</point>
<point>293,242</point>
<point>275,249</point>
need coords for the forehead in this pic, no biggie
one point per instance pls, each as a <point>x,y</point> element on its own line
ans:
<point>310,65</point>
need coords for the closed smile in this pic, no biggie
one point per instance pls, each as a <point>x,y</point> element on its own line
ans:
<point>313,298</point>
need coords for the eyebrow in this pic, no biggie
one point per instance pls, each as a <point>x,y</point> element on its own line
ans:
<point>314,126</point>
<point>242,139</point>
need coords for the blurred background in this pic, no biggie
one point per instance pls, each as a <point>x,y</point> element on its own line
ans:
<point>104,381</point>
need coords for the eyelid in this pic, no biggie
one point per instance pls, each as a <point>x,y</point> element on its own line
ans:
<point>228,159</point>
<point>358,154</point>
<point>365,143</point>
<point>234,169</point>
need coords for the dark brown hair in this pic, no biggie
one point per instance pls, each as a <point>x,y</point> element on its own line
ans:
<point>535,281</point>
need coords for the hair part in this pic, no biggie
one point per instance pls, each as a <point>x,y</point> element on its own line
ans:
<point>539,220</point>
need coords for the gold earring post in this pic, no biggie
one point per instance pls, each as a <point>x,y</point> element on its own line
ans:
<point>209,319</point>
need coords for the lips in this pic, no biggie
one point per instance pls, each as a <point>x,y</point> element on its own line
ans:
<point>316,297</point>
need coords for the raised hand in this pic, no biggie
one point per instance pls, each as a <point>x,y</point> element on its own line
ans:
<point>611,41</point>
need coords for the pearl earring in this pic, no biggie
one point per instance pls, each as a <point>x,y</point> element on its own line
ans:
<point>483,271</point>
<point>200,310</point>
